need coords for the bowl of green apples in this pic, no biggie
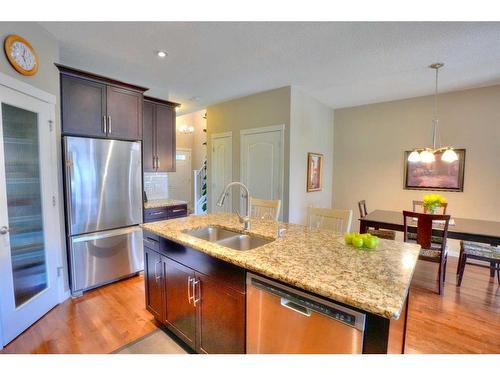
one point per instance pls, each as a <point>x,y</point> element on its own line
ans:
<point>361,241</point>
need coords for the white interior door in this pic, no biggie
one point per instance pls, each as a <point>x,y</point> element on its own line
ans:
<point>179,182</point>
<point>262,162</point>
<point>29,223</point>
<point>221,170</point>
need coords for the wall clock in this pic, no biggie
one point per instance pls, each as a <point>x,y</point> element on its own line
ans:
<point>21,55</point>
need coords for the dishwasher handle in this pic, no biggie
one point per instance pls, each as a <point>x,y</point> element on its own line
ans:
<point>295,307</point>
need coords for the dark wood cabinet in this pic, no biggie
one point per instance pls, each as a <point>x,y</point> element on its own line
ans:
<point>165,138</point>
<point>97,106</point>
<point>221,316</point>
<point>203,297</point>
<point>124,109</point>
<point>83,107</point>
<point>148,138</point>
<point>164,213</point>
<point>159,141</point>
<point>180,312</point>
<point>154,279</point>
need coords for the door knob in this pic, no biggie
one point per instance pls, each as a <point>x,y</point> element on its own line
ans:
<point>4,230</point>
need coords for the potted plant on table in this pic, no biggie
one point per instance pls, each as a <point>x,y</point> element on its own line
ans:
<point>432,202</point>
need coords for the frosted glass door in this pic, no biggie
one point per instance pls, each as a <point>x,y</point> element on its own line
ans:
<point>24,203</point>
<point>29,230</point>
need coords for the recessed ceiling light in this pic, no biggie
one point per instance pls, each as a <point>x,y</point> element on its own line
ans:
<point>161,54</point>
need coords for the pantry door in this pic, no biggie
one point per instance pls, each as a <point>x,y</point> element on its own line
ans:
<point>262,162</point>
<point>221,170</point>
<point>29,223</point>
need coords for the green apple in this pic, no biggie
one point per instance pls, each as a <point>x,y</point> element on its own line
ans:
<point>357,241</point>
<point>371,242</point>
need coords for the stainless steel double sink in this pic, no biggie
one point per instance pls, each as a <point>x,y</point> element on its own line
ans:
<point>228,238</point>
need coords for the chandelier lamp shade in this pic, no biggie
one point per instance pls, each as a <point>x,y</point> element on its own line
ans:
<point>427,154</point>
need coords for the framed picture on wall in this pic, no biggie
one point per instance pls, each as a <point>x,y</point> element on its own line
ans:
<point>314,171</point>
<point>437,175</point>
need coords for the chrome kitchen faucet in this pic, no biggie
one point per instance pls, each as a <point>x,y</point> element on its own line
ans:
<point>245,220</point>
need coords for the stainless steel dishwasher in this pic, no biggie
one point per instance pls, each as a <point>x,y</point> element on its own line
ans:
<point>281,319</point>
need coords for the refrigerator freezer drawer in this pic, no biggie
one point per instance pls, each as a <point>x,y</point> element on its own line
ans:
<point>103,257</point>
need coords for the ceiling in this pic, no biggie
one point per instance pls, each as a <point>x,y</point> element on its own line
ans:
<point>340,63</point>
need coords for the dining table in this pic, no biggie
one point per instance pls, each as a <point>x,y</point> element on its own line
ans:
<point>483,231</point>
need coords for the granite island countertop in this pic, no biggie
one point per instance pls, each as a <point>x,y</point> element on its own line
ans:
<point>157,203</point>
<point>314,260</point>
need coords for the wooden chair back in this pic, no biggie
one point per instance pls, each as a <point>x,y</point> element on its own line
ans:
<point>362,209</point>
<point>417,204</point>
<point>264,208</point>
<point>424,228</point>
<point>338,220</point>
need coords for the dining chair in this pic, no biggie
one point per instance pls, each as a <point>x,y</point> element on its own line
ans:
<point>420,204</point>
<point>432,252</point>
<point>478,251</point>
<point>265,208</point>
<point>338,220</point>
<point>362,208</point>
<point>382,233</point>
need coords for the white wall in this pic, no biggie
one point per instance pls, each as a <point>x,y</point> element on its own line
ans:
<point>311,130</point>
<point>370,141</point>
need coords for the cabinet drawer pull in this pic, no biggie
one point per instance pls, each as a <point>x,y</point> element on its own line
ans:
<point>157,213</point>
<point>178,210</point>
<point>196,299</point>
<point>190,281</point>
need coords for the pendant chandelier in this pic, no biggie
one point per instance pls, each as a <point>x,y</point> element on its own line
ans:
<point>427,154</point>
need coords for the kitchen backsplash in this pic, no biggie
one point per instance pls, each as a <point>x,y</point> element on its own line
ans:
<point>156,185</point>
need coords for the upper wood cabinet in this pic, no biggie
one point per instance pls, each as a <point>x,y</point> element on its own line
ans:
<point>159,141</point>
<point>124,113</point>
<point>97,106</point>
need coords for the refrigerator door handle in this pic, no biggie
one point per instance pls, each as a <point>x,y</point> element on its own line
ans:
<point>69,166</point>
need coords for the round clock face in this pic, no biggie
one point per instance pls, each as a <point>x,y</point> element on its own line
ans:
<point>21,55</point>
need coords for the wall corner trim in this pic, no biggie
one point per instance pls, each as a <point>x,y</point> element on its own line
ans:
<point>26,88</point>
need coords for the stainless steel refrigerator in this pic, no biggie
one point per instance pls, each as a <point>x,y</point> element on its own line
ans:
<point>103,180</point>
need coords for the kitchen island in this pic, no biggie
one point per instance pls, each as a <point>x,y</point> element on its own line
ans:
<point>375,282</point>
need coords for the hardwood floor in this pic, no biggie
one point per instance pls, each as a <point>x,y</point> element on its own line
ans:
<point>101,321</point>
<point>463,320</point>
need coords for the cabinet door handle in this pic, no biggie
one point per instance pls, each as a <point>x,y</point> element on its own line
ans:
<point>104,128</point>
<point>196,299</point>
<point>157,162</point>
<point>109,124</point>
<point>154,162</point>
<point>190,281</point>
<point>158,277</point>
